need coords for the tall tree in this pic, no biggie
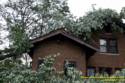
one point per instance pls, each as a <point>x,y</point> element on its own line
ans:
<point>18,16</point>
<point>122,13</point>
<point>26,19</point>
<point>97,20</point>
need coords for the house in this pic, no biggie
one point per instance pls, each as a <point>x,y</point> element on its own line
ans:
<point>84,57</point>
<point>111,56</point>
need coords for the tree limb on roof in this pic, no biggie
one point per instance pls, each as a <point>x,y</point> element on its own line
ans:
<point>7,53</point>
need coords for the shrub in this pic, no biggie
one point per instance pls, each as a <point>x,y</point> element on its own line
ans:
<point>14,72</point>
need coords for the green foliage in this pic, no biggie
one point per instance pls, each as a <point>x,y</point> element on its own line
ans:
<point>74,76</point>
<point>36,17</point>
<point>53,13</point>
<point>122,13</point>
<point>29,19</point>
<point>97,20</point>
<point>14,72</point>
<point>118,77</point>
<point>19,39</point>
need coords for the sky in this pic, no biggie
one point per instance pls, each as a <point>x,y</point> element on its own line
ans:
<point>80,7</point>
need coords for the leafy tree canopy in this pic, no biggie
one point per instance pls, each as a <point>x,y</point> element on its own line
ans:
<point>98,20</point>
<point>14,72</point>
<point>28,19</point>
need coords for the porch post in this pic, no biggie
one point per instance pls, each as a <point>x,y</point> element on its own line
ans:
<point>97,69</point>
<point>113,70</point>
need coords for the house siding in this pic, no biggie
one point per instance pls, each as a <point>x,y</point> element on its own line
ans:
<point>108,59</point>
<point>67,49</point>
<point>83,56</point>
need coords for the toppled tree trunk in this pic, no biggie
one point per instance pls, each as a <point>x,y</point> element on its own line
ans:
<point>7,53</point>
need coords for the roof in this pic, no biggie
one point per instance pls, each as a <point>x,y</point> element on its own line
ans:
<point>66,34</point>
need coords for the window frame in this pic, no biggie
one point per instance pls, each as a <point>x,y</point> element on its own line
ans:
<point>103,45</point>
<point>39,62</point>
<point>70,62</point>
<point>91,70</point>
<point>108,70</point>
<point>108,45</point>
<point>67,63</point>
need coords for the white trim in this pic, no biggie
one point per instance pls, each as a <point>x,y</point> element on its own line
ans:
<point>109,53</point>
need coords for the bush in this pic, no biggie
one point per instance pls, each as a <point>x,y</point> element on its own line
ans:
<point>14,72</point>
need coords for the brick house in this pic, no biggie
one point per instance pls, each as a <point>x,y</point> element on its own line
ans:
<point>106,55</point>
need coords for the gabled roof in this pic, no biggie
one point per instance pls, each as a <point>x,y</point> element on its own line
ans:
<point>66,34</point>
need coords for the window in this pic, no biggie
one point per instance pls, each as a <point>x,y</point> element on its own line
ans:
<point>103,45</point>
<point>72,64</point>
<point>108,45</point>
<point>90,71</point>
<point>68,64</point>
<point>112,46</point>
<point>117,69</point>
<point>40,61</point>
<point>103,70</point>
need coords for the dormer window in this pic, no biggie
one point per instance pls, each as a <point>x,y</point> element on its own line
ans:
<point>108,45</point>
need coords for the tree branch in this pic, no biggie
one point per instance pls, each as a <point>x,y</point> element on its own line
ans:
<point>2,57</point>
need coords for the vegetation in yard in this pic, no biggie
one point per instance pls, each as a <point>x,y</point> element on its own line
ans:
<point>29,19</point>
<point>14,72</point>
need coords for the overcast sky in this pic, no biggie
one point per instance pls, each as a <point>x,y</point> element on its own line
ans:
<point>80,7</point>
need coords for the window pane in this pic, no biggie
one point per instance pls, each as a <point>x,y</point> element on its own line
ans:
<point>103,42</point>
<point>40,61</point>
<point>70,64</point>
<point>112,43</point>
<point>112,49</point>
<point>112,46</point>
<point>90,71</point>
<point>103,45</point>
<point>103,70</point>
<point>108,45</point>
<point>103,49</point>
